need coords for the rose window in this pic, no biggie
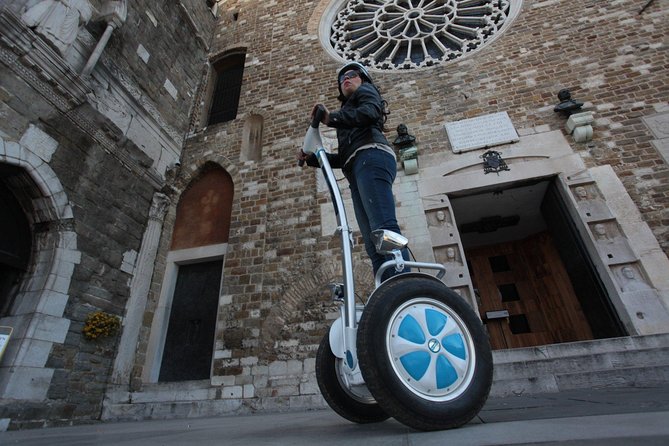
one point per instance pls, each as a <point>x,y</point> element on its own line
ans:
<point>407,34</point>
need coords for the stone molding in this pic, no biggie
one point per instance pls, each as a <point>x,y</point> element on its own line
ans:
<point>37,315</point>
<point>35,62</point>
<point>609,224</point>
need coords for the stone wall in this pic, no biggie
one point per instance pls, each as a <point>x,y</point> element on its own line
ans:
<point>611,57</point>
<point>92,151</point>
<point>274,308</point>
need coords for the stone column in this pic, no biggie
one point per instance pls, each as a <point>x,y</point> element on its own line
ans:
<point>115,14</point>
<point>139,291</point>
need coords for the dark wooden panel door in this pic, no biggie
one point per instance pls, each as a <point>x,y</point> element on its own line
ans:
<point>190,335</point>
<point>526,297</point>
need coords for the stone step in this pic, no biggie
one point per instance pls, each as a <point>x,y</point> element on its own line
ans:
<point>625,377</point>
<point>581,348</point>
<point>616,362</point>
<point>584,363</point>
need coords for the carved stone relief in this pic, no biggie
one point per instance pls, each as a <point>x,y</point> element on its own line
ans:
<point>611,243</point>
<point>58,21</point>
<point>440,225</point>
<point>630,278</point>
<point>590,203</point>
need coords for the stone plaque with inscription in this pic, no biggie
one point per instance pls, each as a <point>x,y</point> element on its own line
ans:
<point>481,132</point>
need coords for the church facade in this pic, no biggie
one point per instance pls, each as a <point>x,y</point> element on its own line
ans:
<point>163,255</point>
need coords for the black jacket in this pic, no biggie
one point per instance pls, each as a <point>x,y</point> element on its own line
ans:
<point>358,122</point>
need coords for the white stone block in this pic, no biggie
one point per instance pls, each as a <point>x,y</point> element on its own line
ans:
<point>309,388</point>
<point>309,365</point>
<point>40,143</point>
<point>52,303</point>
<point>249,361</point>
<point>171,89</point>
<point>222,380</point>
<point>12,150</point>
<point>58,283</point>
<point>232,392</point>
<point>33,353</point>
<point>49,328</point>
<point>27,383</point>
<point>579,119</point>
<point>249,391</point>
<point>68,240</point>
<point>143,53</point>
<point>411,167</point>
<point>68,255</point>
<point>278,368</point>
<point>582,133</point>
<point>294,367</point>
<point>647,311</point>
<point>223,354</point>
<point>128,262</point>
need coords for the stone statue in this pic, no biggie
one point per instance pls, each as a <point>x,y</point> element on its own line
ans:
<point>631,282</point>
<point>600,232</point>
<point>58,21</point>
<point>582,193</point>
<point>450,255</point>
<point>403,138</point>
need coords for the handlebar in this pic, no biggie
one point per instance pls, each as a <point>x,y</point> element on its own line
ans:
<point>315,122</point>
<point>318,116</point>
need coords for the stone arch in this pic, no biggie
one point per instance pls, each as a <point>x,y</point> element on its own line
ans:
<point>188,173</point>
<point>37,311</point>
<point>191,170</point>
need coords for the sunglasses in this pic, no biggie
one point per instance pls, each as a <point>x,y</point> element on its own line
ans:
<point>351,74</point>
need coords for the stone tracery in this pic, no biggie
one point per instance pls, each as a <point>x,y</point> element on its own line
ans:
<point>408,34</point>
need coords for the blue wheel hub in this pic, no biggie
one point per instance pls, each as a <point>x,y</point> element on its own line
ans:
<point>430,349</point>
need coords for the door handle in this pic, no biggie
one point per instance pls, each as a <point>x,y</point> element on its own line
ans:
<point>497,314</point>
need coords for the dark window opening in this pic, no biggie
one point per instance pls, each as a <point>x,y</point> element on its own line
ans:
<point>229,72</point>
<point>499,264</point>
<point>508,292</point>
<point>519,324</point>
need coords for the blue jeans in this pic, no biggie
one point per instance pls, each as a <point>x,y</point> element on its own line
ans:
<point>370,176</point>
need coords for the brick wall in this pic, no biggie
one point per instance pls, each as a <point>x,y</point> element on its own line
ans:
<point>607,54</point>
<point>275,309</point>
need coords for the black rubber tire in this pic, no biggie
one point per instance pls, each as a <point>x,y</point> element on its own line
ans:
<point>422,400</point>
<point>355,408</point>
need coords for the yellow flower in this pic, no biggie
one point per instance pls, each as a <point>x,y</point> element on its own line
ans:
<point>100,324</point>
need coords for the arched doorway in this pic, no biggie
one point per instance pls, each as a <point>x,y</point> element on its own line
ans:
<point>185,323</point>
<point>40,244</point>
<point>15,238</point>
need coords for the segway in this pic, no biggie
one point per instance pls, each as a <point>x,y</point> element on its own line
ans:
<point>415,350</point>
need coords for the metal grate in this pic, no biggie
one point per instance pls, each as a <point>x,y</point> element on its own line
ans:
<point>225,101</point>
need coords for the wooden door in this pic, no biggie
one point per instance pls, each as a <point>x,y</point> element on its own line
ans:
<point>189,343</point>
<point>526,297</point>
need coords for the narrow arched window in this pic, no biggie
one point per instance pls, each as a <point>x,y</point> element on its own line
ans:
<point>228,72</point>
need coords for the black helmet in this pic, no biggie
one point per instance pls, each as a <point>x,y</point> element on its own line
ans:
<point>357,66</point>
